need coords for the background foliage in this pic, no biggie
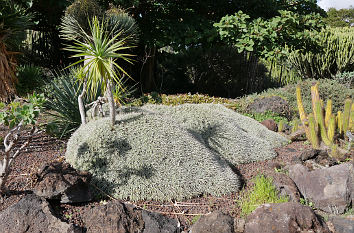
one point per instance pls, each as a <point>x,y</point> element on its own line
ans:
<point>340,18</point>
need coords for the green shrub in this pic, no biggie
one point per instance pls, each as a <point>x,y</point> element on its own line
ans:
<point>164,152</point>
<point>346,78</point>
<point>263,191</point>
<point>30,78</point>
<point>62,104</point>
<point>82,11</point>
<point>216,71</point>
<point>267,115</point>
<point>328,88</point>
<point>336,55</point>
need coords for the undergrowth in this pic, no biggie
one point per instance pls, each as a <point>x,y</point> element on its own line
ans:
<point>267,115</point>
<point>263,191</point>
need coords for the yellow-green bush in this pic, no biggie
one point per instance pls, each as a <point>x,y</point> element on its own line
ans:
<point>173,100</point>
<point>263,191</point>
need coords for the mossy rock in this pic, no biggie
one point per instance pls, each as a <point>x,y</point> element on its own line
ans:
<point>170,153</point>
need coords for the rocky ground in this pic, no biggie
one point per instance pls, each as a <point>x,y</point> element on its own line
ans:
<point>25,177</point>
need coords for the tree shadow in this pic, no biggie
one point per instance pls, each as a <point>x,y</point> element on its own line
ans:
<point>132,118</point>
<point>123,177</point>
<point>120,145</point>
<point>210,137</point>
<point>100,165</point>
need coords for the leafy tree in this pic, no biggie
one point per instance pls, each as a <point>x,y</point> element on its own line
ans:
<point>14,20</point>
<point>184,23</point>
<point>340,18</point>
<point>268,38</point>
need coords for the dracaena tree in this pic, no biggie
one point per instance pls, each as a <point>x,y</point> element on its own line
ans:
<point>100,51</point>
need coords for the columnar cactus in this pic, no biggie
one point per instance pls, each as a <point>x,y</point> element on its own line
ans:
<point>325,124</point>
<point>346,114</point>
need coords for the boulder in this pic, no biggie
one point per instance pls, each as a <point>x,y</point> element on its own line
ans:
<point>118,217</point>
<point>270,124</point>
<point>62,182</point>
<point>157,223</point>
<point>330,189</point>
<point>33,214</point>
<point>308,154</point>
<point>214,222</point>
<point>274,104</point>
<point>342,225</point>
<point>286,186</point>
<point>284,218</point>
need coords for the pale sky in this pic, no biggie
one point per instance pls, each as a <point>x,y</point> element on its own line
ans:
<point>338,4</point>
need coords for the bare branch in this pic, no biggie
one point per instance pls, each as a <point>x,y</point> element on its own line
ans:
<point>33,131</point>
<point>6,139</point>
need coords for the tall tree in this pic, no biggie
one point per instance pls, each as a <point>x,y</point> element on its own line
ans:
<point>340,18</point>
<point>183,24</point>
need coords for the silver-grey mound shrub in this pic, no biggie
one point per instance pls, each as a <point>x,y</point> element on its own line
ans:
<point>148,157</point>
<point>236,138</point>
<point>169,153</point>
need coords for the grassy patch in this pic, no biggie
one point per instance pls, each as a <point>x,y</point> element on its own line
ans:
<point>349,212</point>
<point>263,191</point>
<point>267,115</point>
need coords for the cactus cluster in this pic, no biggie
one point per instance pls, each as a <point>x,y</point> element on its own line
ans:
<point>321,125</point>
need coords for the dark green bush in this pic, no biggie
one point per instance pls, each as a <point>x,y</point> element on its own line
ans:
<point>82,10</point>
<point>217,71</point>
<point>30,78</point>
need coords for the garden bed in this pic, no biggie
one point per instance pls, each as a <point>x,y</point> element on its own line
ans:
<point>44,149</point>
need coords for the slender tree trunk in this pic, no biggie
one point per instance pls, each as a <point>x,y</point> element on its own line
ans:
<point>10,157</point>
<point>148,76</point>
<point>81,103</point>
<point>4,170</point>
<point>112,107</point>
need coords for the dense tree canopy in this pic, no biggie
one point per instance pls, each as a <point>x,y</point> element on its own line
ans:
<point>181,23</point>
<point>340,18</point>
<point>268,38</point>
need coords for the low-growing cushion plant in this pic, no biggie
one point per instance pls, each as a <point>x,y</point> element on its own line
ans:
<point>263,191</point>
<point>169,153</point>
<point>237,138</point>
